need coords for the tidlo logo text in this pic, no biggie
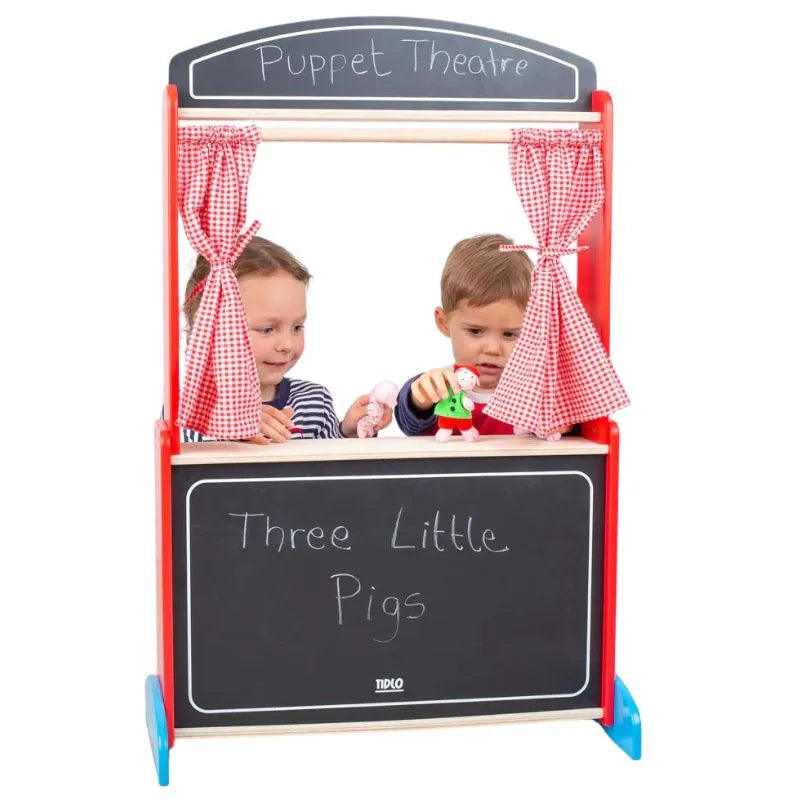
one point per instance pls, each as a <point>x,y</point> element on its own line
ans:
<point>383,685</point>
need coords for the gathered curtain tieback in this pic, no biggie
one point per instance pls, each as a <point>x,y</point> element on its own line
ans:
<point>544,252</point>
<point>219,263</point>
<point>215,265</point>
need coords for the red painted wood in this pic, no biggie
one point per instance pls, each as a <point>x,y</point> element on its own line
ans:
<point>610,578</point>
<point>167,434</point>
<point>594,289</point>
<point>166,669</point>
<point>171,303</point>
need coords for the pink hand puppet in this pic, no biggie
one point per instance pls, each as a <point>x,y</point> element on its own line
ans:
<point>383,396</point>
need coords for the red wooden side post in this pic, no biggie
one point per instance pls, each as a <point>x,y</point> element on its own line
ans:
<point>610,577</point>
<point>171,308</point>
<point>166,671</point>
<point>594,289</point>
<point>167,435</point>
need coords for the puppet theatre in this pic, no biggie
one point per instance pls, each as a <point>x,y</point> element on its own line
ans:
<point>350,583</point>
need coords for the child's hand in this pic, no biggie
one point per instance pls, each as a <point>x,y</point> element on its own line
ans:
<point>275,425</point>
<point>431,387</point>
<point>359,410</point>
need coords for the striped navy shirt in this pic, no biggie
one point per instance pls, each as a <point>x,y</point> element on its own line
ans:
<point>313,411</point>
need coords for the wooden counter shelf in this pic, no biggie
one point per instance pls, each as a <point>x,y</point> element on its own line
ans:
<point>382,447</point>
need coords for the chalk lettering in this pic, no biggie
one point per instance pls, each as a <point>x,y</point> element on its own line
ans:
<point>434,53</point>
<point>437,531</point>
<point>276,536</point>
<point>491,537</point>
<point>358,58</point>
<point>320,535</point>
<point>432,536</point>
<point>414,605</point>
<point>426,56</point>
<point>302,68</point>
<point>246,516</point>
<point>320,60</point>
<point>469,532</point>
<point>265,64</point>
<point>481,68</point>
<point>333,62</point>
<point>454,537</point>
<point>396,546</point>
<point>375,60</point>
<point>395,612</point>
<point>493,62</point>
<point>348,606</point>
<point>423,56</point>
<point>415,43</point>
<point>335,538</point>
<point>271,528</point>
<point>339,596</point>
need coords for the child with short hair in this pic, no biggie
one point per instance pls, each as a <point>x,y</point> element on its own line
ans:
<point>484,294</point>
<point>272,285</point>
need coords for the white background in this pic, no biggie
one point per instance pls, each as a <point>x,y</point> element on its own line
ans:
<point>704,336</point>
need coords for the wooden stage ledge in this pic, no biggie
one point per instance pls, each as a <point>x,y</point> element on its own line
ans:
<point>382,447</point>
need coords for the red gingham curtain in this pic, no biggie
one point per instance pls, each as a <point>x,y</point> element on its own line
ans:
<point>221,396</point>
<point>559,372</point>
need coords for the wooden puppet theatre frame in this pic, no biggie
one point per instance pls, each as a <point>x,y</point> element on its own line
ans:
<point>428,603</point>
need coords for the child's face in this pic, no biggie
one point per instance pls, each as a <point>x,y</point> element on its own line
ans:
<point>275,308</point>
<point>482,335</point>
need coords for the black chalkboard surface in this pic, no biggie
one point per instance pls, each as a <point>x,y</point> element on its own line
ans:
<point>386,590</point>
<point>382,63</point>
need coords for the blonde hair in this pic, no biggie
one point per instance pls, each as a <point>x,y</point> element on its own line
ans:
<point>480,273</point>
<point>260,257</point>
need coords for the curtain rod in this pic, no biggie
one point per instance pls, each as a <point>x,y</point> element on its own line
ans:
<point>463,135</point>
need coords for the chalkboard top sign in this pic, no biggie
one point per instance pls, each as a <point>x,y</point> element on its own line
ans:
<point>383,447</point>
<point>382,63</point>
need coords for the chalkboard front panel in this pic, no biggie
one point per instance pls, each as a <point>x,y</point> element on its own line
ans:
<point>381,590</point>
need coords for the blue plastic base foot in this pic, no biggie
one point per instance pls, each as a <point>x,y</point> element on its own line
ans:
<point>626,732</point>
<point>157,727</point>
